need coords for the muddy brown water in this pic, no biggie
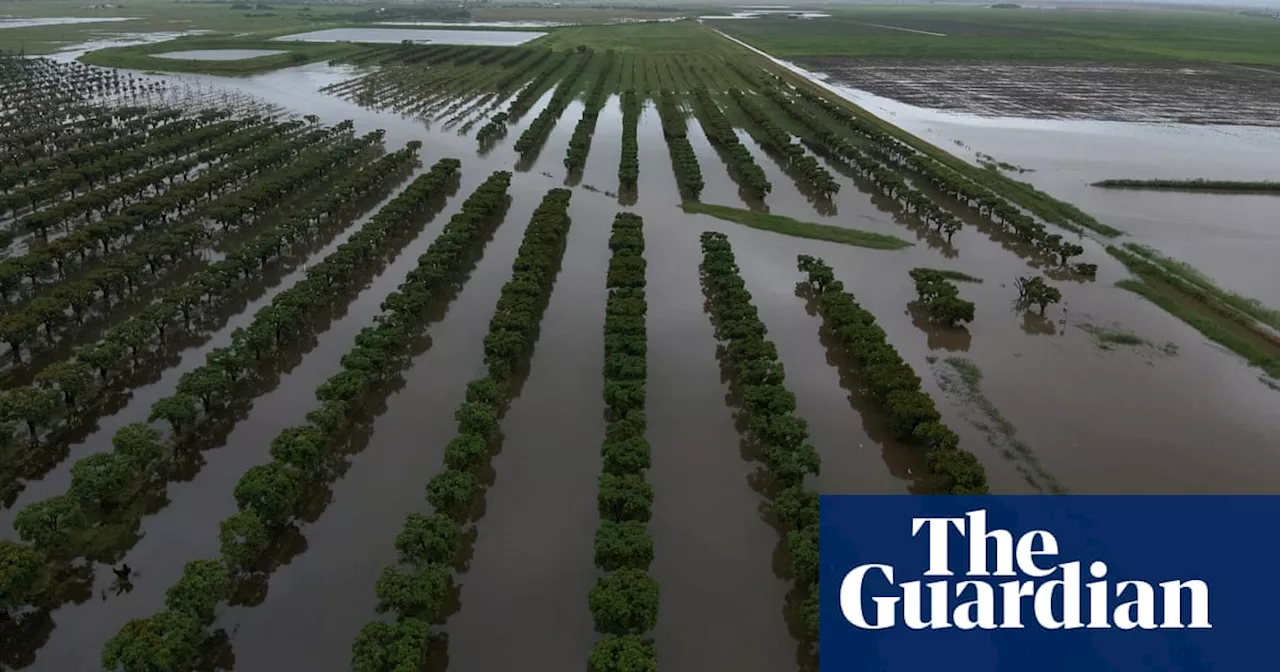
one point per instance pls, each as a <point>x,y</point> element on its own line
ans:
<point>1120,420</point>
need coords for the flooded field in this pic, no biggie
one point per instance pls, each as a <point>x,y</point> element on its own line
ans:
<point>218,54</point>
<point>1227,236</point>
<point>502,38</point>
<point>1162,410</point>
<point>57,21</point>
<point>1190,93</point>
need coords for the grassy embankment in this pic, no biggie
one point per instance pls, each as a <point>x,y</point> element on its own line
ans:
<point>1237,323</point>
<point>142,57</point>
<point>1229,186</point>
<point>794,227</point>
<point>978,33</point>
<point>953,275</point>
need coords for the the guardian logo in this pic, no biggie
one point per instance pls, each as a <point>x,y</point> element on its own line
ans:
<point>1010,580</point>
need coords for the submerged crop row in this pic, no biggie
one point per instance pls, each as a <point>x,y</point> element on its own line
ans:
<point>429,546</point>
<point>757,382</point>
<point>106,485</point>
<point>683,160</point>
<point>580,142</point>
<point>892,382</point>
<point>536,133</point>
<point>624,602</point>
<point>742,165</point>
<point>271,496</point>
<point>67,394</point>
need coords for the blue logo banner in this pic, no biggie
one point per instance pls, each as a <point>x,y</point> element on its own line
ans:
<point>1049,583</point>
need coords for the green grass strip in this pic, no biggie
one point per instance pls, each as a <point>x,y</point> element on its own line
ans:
<point>794,227</point>
<point>1235,337</point>
<point>1194,185</point>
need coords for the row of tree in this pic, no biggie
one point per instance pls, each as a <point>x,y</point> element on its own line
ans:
<point>972,195</point>
<point>892,382</point>
<point>431,545</point>
<point>531,140</point>
<point>269,496</point>
<point>185,137</point>
<point>575,158</point>
<point>888,181</point>
<point>105,481</point>
<point>941,298</point>
<point>624,601</point>
<point>128,272</point>
<point>84,142</point>
<point>742,165</point>
<point>160,247</point>
<point>67,393</point>
<point>758,379</point>
<point>683,160</point>
<point>629,163</point>
<point>529,94</point>
<point>777,138</point>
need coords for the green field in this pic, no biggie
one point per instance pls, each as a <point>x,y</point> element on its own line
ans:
<point>794,227</point>
<point>674,37</point>
<point>150,16</point>
<point>978,33</point>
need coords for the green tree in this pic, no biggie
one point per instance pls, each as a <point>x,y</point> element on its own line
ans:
<point>624,602</point>
<point>206,383</point>
<point>450,491</point>
<point>73,379</point>
<point>484,391</point>
<point>626,457</point>
<point>203,585</point>
<point>49,523</point>
<point>138,441</point>
<point>428,539</point>
<point>34,406</point>
<point>951,310</point>
<point>416,594</point>
<point>803,544</point>
<point>104,357</point>
<point>476,418</point>
<point>627,653</point>
<point>625,544</point>
<point>244,538</point>
<point>391,647</point>
<point>623,498</point>
<point>301,448</point>
<point>269,490</point>
<point>465,452</point>
<point>19,568</point>
<point>165,642</point>
<point>179,410</point>
<point>103,479</point>
<point>796,507</point>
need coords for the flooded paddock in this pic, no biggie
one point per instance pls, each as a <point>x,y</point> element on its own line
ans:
<point>218,54</point>
<point>1174,414</point>
<point>497,38</point>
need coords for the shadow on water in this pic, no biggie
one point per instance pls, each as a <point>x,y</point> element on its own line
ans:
<point>544,513</point>
<point>940,336</point>
<point>906,463</point>
<point>752,452</point>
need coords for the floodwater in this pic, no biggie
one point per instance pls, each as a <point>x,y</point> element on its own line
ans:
<point>480,24</point>
<point>218,54</point>
<point>1231,238</point>
<point>496,38</point>
<point>59,21</point>
<point>1129,419</point>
